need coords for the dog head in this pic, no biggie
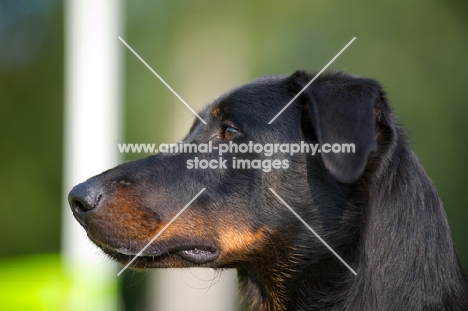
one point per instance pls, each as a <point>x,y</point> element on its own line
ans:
<point>237,222</point>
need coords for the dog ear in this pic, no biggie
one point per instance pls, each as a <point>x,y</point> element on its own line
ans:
<point>341,109</point>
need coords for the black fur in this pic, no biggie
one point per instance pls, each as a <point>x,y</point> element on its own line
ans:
<point>377,208</point>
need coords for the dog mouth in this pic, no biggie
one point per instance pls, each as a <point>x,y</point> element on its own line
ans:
<point>181,255</point>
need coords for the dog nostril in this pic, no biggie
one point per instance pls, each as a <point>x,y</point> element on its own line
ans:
<point>84,197</point>
<point>78,206</point>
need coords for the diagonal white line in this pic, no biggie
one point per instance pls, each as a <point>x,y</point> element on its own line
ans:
<point>312,230</point>
<point>162,80</point>
<point>160,232</point>
<point>316,76</point>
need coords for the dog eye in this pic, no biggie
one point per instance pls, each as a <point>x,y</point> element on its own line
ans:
<point>229,132</point>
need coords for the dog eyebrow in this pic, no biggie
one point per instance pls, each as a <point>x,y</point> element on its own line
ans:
<point>215,111</point>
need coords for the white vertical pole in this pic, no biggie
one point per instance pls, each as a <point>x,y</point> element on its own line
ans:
<point>92,130</point>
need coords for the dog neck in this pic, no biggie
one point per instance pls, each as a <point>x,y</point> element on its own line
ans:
<point>404,242</point>
<point>393,255</point>
<point>270,288</point>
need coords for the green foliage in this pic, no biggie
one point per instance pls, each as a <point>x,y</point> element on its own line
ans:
<point>40,282</point>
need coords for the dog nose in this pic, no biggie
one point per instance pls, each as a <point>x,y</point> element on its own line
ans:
<point>84,197</point>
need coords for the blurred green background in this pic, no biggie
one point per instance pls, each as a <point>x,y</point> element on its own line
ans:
<point>417,50</point>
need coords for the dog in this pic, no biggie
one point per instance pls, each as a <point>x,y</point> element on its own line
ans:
<point>375,207</point>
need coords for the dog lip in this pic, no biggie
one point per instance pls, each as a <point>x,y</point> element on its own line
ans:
<point>124,251</point>
<point>198,254</point>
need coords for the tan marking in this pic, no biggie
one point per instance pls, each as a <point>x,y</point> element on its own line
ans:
<point>240,240</point>
<point>215,111</point>
<point>123,218</point>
